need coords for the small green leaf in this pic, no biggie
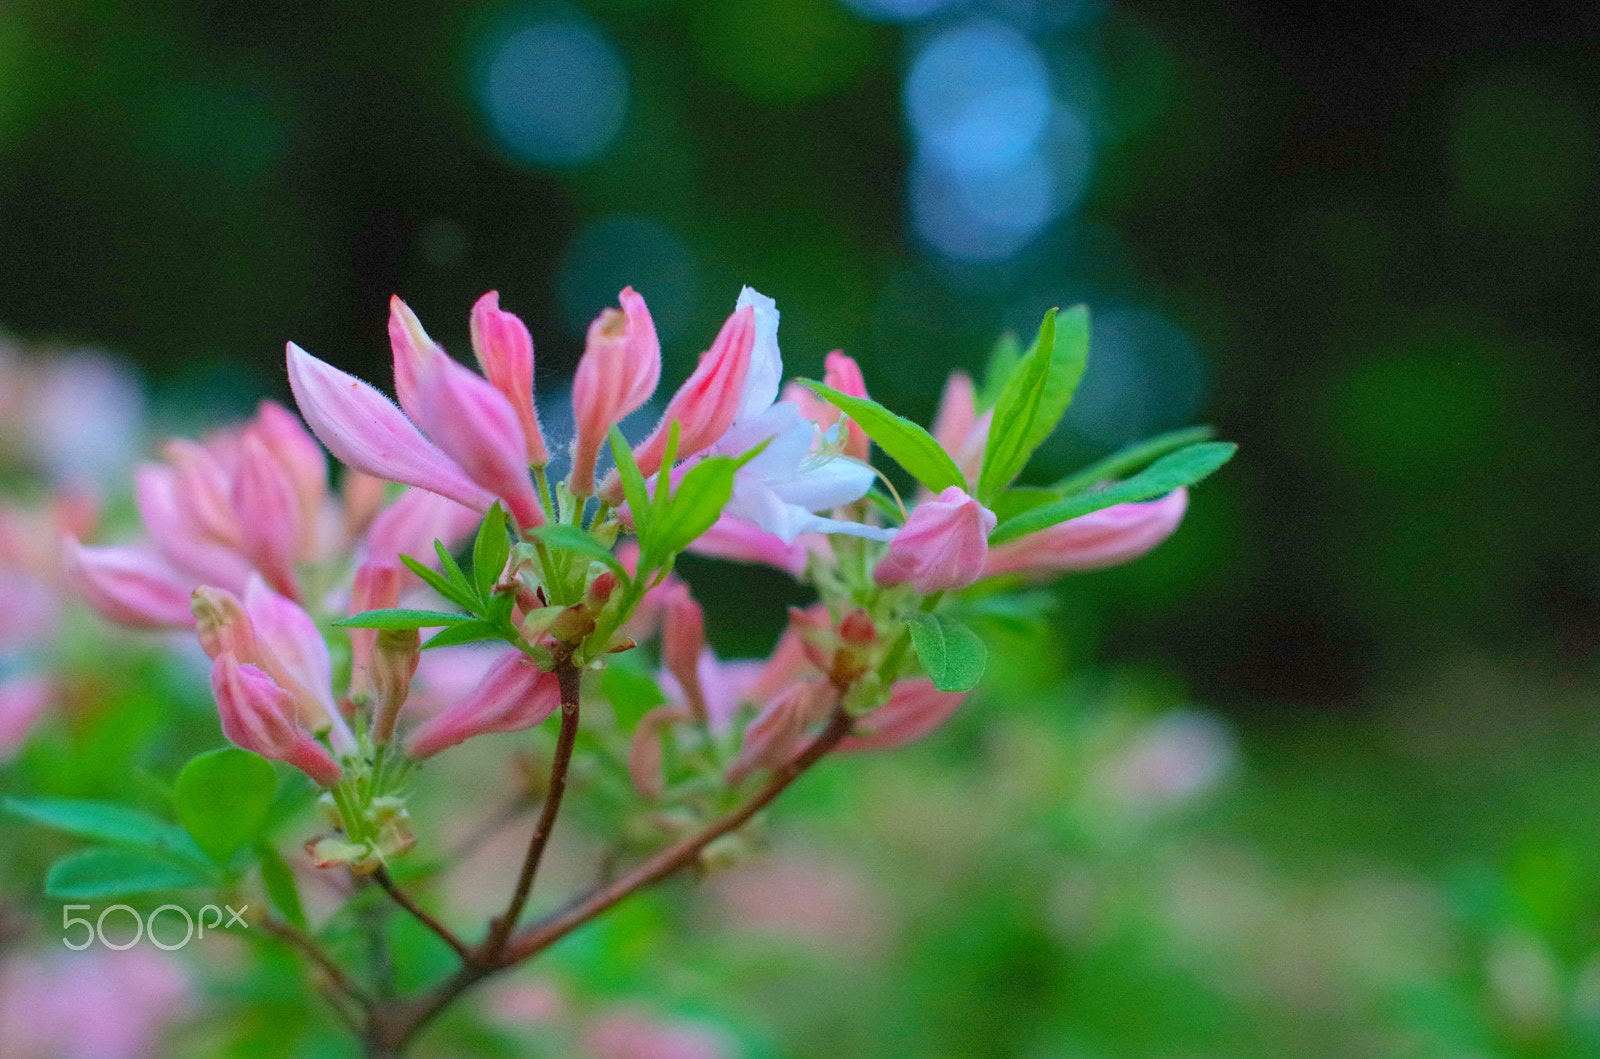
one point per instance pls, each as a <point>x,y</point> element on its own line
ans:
<point>633,484</point>
<point>695,505</point>
<point>107,822</point>
<point>490,551</point>
<point>631,693</point>
<point>398,618</point>
<point>280,884</point>
<point>951,654</point>
<point>1127,460</point>
<point>1034,398</point>
<point>441,584</point>
<point>1184,467</point>
<point>664,480</point>
<point>906,443</point>
<point>571,538</point>
<point>498,613</point>
<point>223,797</point>
<point>456,576</point>
<point>466,632</point>
<point>101,871</point>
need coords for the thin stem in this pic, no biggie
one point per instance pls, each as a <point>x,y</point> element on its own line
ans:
<point>339,982</point>
<point>544,491</point>
<point>562,922</point>
<point>570,678</point>
<point>423,916</point>
<point>394,1027</point>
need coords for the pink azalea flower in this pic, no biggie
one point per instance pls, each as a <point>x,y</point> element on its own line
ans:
<point>514,694</point>
<point>942,545</point>
<point>619,370</point>
<point>1101,538</point>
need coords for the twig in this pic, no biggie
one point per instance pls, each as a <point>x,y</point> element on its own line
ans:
<point>339,983</point>
<point>403,899</point>
<point>570,678</point>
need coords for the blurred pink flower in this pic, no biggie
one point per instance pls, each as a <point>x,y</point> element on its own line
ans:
<point>23,701</point>
<point>1101,538</point>
<point>95,1004</point>
<point>630,1035</point>
<point>514,694</point>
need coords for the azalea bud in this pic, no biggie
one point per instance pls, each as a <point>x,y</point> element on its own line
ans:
<point>259,716</point>
<point>773,737</point>
<point>504,350</point>
<point>179,538</point>
<point>394,663</point>
<point>959,428</point>
<point>514,694</point>
<point>412,351</point>
<point>914,709</point>
<point>376,587</point>
<point>683,636</point>
<point>1101,538</point>
<point>942,545</point>
<point>856,628</point>
<point>222,624</point>
<point>201,490</point>
<point>269,514</point>
<point>705,405</point>
<point>620,368</point>
<point>477,428</point>
<point>361,427</point>
<point>852,659</point>
<point>598,594</point>
<point>301,457</point>
<point>362,497</point>
<point>129,586</point>
<point>291,650</point>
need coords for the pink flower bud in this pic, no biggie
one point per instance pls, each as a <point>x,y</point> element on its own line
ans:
<point>620,368</point>
<point>222,624</point>
<point>514,694</point>
<point>293,653</point>
<point>179,538</point>
<point>22,703</point>
<point>302,459</point>
<point>413,351</point>
<point>411,524</point>
<point>959,428</point>
<point>394,663</point>
<point>362,495</point>
<point>683,637</point>
<point>259,716</point>
<point>377,587</point>
<point>775,735</point>
<point>914,709</point>
<point>263,496</point>
<point>361,427</point>
<point>942,545</point>
<point>1101,538</point>
<point>201,491</point>
<point>857,629</point>
<point>477,428</point>
<point>129,586</point>
<point>504,350</point>
<point>705,405</point>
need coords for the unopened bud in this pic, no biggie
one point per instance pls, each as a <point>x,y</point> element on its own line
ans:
<point>857,628</point>
<point>572,624</point>
<point>222,624</point>
<point>394,663</point>
<point>599,591</point>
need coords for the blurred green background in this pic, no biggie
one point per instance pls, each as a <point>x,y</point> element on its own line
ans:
<point>1362,243</point>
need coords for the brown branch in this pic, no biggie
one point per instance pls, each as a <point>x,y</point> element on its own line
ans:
<point>423,916</point>
<point>676,856</point>
<point>570,678</point>
<point>339,983</point>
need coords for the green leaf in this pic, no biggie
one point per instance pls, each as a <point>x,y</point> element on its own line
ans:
<point>695,505</point>
<point>1184,467</point>
<point>631,693</point>
<point>573,539</point>
<point>223,797</point>
<point>633,484</point>
<point>498,613</point>
<point>490,551</point>
<point>399,618</point>
<point>441,584</point>
<point>951,654</point>
<point>466,632</point>
<point>906,443</point>
<point>102,871</point>
<point>664,481</point>
<point>457,577</point>
<point>1035,398</point>
<point>107,822</point>
<point>1125,461</point>
<point>280,884</point>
